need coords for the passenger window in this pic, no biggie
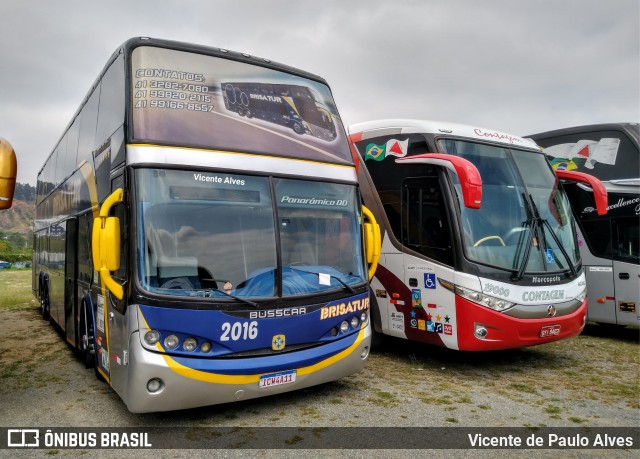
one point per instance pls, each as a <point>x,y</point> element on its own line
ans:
<point>598,236</point>
<point>425,224</point>
<point>627,239</point>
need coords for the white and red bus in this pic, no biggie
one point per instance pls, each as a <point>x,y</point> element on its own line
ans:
<point>479,246</point>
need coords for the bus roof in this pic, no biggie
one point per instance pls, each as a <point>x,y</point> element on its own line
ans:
<point>218,52</point>
<point>371,129</point>
<point>633,129</point>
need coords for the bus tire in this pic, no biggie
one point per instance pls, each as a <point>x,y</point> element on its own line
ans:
<point>45,303</point>
<point>377,337</point>
<point>87,338</point>
<point>297,128</point>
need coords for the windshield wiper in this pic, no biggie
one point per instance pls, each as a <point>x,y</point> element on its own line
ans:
<point>237,298</point>
<point>534,221</point>
<point>344,284</point>
<point>557,241</point>
<point>531,222</point>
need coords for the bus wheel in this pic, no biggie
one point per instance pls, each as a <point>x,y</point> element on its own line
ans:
<point>297,128</point>
<point>377,337</point>
<point>87,339</point>
<point>45,304</point>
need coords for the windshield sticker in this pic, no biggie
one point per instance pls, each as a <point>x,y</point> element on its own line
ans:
<point>549,255</point>
<point>393,147</point>
<point>314,201</point>
<point>324,279</point>
<point>584,153</point>
<point>228,180</point>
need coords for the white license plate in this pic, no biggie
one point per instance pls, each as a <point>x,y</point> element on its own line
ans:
<point>277,379</point>
<point>550,330</point>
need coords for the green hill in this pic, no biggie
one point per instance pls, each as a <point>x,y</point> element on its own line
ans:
<point>16,225</point>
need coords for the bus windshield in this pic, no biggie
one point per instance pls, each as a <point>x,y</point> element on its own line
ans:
<point>524,224</point>
<point>216,235</point>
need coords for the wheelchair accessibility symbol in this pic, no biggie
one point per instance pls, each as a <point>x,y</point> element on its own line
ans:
<point>429,280</point>
<point>549,255</point>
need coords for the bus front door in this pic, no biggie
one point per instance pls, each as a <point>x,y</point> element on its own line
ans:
<point>70,280</point>
<point>625,278</point>
<point>626,267</point>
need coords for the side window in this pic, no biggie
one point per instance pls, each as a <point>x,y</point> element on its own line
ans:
<point>119,211</point>
<point>425,226</point>
<point>61,164</point>
<point>379,155</point>
<point>111,113</point>
<point>627,239</point>
<point>85,266</point>
<point>88,118</point>
<point>49,173</point>
<point>598,236</point>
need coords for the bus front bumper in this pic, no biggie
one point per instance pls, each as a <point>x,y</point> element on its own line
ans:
<point>487,330</point>
<point>184,386</point>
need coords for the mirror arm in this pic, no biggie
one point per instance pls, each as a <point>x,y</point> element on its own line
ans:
<point>105,275</point>
<point>599,191</point>
<point>467,172</point>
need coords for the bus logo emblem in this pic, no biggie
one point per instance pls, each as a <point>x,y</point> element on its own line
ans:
<point>278,342</point>
<point>551,310</point>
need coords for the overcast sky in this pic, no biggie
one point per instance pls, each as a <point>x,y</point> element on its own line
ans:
<point>520,66</point>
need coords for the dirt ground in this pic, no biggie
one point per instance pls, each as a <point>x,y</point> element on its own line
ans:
<point>589,381</point>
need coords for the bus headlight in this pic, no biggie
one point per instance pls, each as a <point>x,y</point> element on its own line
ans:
<point>355,322</point>
<point>488,301</point>
<point>151,337</point>
<point>344,326</point>
<point>171,342</point>
<point>581,296</point>
<point>190,344</point>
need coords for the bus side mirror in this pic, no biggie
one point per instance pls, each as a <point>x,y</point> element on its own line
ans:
<point>372,241</point>
<point>599,191</point>
<point>105,244</point>
<point>8,172</point>
<point>469,176</point>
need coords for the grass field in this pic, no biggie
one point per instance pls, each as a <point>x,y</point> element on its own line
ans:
<point>15,289</point>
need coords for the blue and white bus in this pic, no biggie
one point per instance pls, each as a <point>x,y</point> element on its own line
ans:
<point>193,257</point>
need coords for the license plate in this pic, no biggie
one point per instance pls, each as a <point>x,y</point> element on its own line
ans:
<point>550,330</point>
<point>277,379</point>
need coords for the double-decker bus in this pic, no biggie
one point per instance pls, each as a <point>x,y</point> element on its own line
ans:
<point>293,106</point>
<point>194,258</point>
<point>479,246</point>
<point>609,244</point>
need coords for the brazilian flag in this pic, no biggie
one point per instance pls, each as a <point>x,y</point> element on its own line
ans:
<point>375,152</point>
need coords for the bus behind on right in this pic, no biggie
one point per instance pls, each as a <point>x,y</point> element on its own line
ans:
<point>609,244</point>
